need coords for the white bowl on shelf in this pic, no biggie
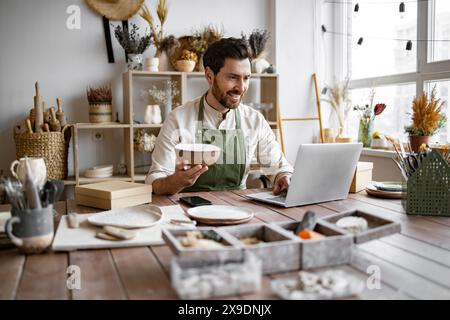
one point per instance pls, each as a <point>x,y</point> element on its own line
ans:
<point>105,171</point>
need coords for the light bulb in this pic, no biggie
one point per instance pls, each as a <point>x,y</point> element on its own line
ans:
<point>356,10</point>
<point>401,10</point>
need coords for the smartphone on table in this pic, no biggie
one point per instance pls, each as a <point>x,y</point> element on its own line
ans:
<point>195,201</point>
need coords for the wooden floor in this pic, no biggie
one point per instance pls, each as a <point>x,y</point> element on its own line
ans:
<point>415,264</point>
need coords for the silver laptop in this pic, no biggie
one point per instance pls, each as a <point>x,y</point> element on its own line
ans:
<point>322,172</point>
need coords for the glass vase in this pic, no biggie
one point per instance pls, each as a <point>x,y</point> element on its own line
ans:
<point>365,132</point>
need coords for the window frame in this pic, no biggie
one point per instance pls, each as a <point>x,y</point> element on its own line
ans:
<point>426,71</point>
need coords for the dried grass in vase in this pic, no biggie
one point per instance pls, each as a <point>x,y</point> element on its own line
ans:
<point>99,95</point>
<point>427,115</point>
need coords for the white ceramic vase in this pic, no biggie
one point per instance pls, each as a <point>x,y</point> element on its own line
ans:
<point>259,65</point>
<point>152,114</point>
<point>152,64</point>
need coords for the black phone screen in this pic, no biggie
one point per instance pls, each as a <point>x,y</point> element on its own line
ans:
<point>195,201</point>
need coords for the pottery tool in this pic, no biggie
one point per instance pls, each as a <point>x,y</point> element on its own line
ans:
<point>54,123</point>
<point>38,111</point>
<point>72,219</point>
<point>402,170</point>
<point>308,222</point>
<point>46,127</point>
<point>47,116</point>
<point>29,127</point>
<point>31,191</point>
<point>60,113</point>
<point>119,233</point>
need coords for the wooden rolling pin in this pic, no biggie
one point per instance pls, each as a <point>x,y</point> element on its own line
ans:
<point>29,127</point>
<point>54,123</point>
<point>60,114</point>
<point>39,121</point>
<point>47,116</point>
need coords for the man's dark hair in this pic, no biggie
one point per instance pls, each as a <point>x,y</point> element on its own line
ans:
<point>233,48</point>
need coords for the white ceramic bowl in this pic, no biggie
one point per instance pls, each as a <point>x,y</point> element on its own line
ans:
<point>197,153</point>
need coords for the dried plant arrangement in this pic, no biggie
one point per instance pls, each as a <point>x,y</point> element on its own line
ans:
<point>204,38</point>
<point>99,95</point>
<point>427,115</point>
<point>162,12</point>
<point>338,98</point>
<point>131,41</point>
<point>257,42</point>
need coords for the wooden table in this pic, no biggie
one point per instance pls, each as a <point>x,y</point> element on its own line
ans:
<point>414,264</point>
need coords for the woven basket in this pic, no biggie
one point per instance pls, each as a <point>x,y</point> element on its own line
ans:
<point>100,113</point>
<point>428,189</point>
<point>52,146</point>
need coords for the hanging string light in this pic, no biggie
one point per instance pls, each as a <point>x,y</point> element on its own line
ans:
<point>356,10</point>
<point>361,39</point>
<point>409,45</point>
<point>401,10</point>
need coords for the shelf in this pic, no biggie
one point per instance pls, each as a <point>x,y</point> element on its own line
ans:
<point>273,123</point>
<point>190,74</point>
<point>84,180</point>
<point>111,125</point>
<point>159,73</point>
<point>70,181</point>
<point>147,125</point>
<point>139,177</point>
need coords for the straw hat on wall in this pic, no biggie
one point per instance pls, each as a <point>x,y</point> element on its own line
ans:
<point>116,9</point>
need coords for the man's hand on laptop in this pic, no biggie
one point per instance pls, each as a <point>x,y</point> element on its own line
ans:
<point>281,183</point>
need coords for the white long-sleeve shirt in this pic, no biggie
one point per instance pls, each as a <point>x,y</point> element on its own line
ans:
<point>181,126</point>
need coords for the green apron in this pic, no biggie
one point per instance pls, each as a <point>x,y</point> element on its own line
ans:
<point>228,172</point>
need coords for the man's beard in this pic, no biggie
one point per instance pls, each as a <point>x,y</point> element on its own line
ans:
<point>223,98</point>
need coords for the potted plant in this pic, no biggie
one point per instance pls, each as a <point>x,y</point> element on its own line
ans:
<point>133,44</point>
<point>186,61</point>
<point>257,42</point>
<point>202,40</point>
<point>100,104</point>
<point>427,118</point>
<point>163,45</point>
<point>367,117</point>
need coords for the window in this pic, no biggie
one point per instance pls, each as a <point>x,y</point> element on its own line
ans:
<point>443,92</point>
<point>377,22</point>
<point>439,30</point>
<point>382,62</point>
<point>392,121</point>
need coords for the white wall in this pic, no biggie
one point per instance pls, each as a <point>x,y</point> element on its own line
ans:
<point>299,53</point>
<point>35,45</point>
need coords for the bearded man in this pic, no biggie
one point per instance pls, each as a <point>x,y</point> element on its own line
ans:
<point>219,117</point>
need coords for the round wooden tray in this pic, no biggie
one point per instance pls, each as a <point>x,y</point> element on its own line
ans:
<point>372,191</point>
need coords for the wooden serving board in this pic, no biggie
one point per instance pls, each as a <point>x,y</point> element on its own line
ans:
<point>67,239</point>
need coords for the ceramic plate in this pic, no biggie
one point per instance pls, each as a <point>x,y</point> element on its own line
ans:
<point>397,186</point>
<point>129,218</point>
<point>219,214</point>
<point>373,191</point>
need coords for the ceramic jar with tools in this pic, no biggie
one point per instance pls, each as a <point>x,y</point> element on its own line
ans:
<point>31,230</point>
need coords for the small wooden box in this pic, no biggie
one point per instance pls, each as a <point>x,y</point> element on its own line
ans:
<point>231,251</point>
<point>333,250</point>
<point>278,252</point>
<point>362,177</point>
<point>377,226</point>
<point>113,194</point>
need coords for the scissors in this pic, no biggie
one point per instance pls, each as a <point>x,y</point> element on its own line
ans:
<point>413,162</point>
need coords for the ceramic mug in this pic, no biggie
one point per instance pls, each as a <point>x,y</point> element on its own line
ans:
<point>31,230</point>
<point>38,170</point>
